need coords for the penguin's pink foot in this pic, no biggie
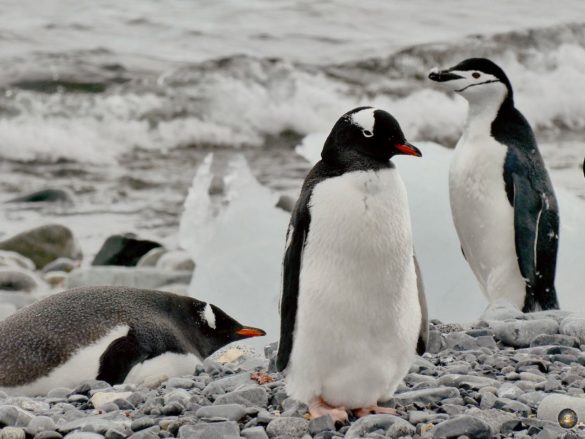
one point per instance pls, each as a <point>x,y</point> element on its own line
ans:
<point>320,408</point>
<point>374,410</point>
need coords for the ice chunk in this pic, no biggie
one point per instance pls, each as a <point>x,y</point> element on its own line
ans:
<point>237,242</point>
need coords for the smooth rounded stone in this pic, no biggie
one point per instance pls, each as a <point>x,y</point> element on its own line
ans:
<point>426,396</point>
<point>141,423</point>
<point>60,265</point>
<point>59,392</point>
<point>555,314</point>
<point>466,381</point>
<point>75,398</point>
<point>83,435</point>
<point>174,408</point>
<point>371,423</point>
<point>555,340</point>
<point>463,425</point>
<point>31,405</point>
<point>12,433</point>
<point>488,400</point>
<point>44,244</point>
<point>100,399</point>
<point>533,399</point>
<point>19,279</point>
<point>550,407</point>
<point>137,277</point>
<point>501,310</point>
<point>533,377</point>
<point>12,416</point>
<point>510,405</point>
<point>217,430</point>
<point>287,426</point>
<point>320,424</point>
<point>292,407</point>
<point>520,333</point>
<point>416,417</point>
<point>180,395</point>
<point>254,433</point>
<point>180,383</point>
<point>460,341</point>
<point>123,250</point>
<point>574,327</point>
<point>176,260</point>
<point>89,386</point>
<point>286,203</point>
<point>49,195</point>
<point>40,423</point>
<point>400,430</point>
<point>231,412</point>
<point>248,397</point>
<point>509,390</point>
<point>115,434</point>
<point>15,260</point>
<point>492,417</point>
<point>97,423</point>
<point>415,378</point>
<point>48,435</point>
<point>147,433</point>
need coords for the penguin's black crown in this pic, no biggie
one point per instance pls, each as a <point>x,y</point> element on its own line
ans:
<point>366,133</point>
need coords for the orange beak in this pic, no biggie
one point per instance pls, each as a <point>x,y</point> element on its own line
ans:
<point>250,332</point>
<point>408,149</point>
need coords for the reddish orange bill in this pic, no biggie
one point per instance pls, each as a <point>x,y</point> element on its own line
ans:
<point>250,332</point>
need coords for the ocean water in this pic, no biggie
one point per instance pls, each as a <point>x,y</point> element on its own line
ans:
<point>121,101</point>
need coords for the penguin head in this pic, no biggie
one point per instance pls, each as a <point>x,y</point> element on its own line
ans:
<point>366,133</point>
<point>476,79</point>
<point>215,329</point>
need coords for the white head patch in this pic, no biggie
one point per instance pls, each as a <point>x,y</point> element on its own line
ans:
<point>364,119</point>
<point>209,316</point>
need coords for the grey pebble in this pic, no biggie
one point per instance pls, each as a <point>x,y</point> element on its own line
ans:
<point>520,333</point>
<point>141,423</point>
<point>13,416</point>
<point>182,383</point>
<point>290,426</point>
<point>147,433</point>
<point>254,433</point>
<point>40,423</point>
<point>254,396</point>
<point>231,412</point>
<point>320,424</point>
<point>218,430</point>
<point>426,396</point>
<point>463,425</point>
<point>83,435</point>
<point>48,435</point>
<point>371,423</point>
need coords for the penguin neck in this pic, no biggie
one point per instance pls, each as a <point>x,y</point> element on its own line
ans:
<point>483,112</point>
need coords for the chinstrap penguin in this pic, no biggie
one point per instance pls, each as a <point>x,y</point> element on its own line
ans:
<point>352,308</point>
<point>114,334</point>
<point>502,200</point>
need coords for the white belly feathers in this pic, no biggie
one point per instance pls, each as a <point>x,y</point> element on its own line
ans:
<point>358,316</point>
<point>484,218</point>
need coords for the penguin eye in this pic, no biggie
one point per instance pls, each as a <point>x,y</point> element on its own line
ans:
<point>475,75</point>
<point>367,133</point>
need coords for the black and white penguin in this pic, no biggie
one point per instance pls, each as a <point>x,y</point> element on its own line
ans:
<point>502,200</point>
<point>114,334</point>
<point>352,306</point>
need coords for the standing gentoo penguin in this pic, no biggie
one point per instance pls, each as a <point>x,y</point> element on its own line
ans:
<point>114,334</point>
<point>352,306</point>
<point>503,204</point>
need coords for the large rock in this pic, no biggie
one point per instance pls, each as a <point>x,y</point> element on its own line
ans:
<point>551,406</point>
<point>151,258</point>
<point>520,333</point>
<point>45,196</point>
<point>463,425</point>
<point>149,278</point>
<point>426,396</point>
<point>18,279</point>
<point>125,250</point>
<point>44,244</point>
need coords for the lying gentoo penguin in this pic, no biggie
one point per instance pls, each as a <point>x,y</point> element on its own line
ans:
<point>503,204</point>
<point>352,306</point>
<point>114,334</point>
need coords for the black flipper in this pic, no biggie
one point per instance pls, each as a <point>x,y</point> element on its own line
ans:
<point>119,359</point>
<point>536,223</point>
<point>423,337</point>
<point>296,237</point>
